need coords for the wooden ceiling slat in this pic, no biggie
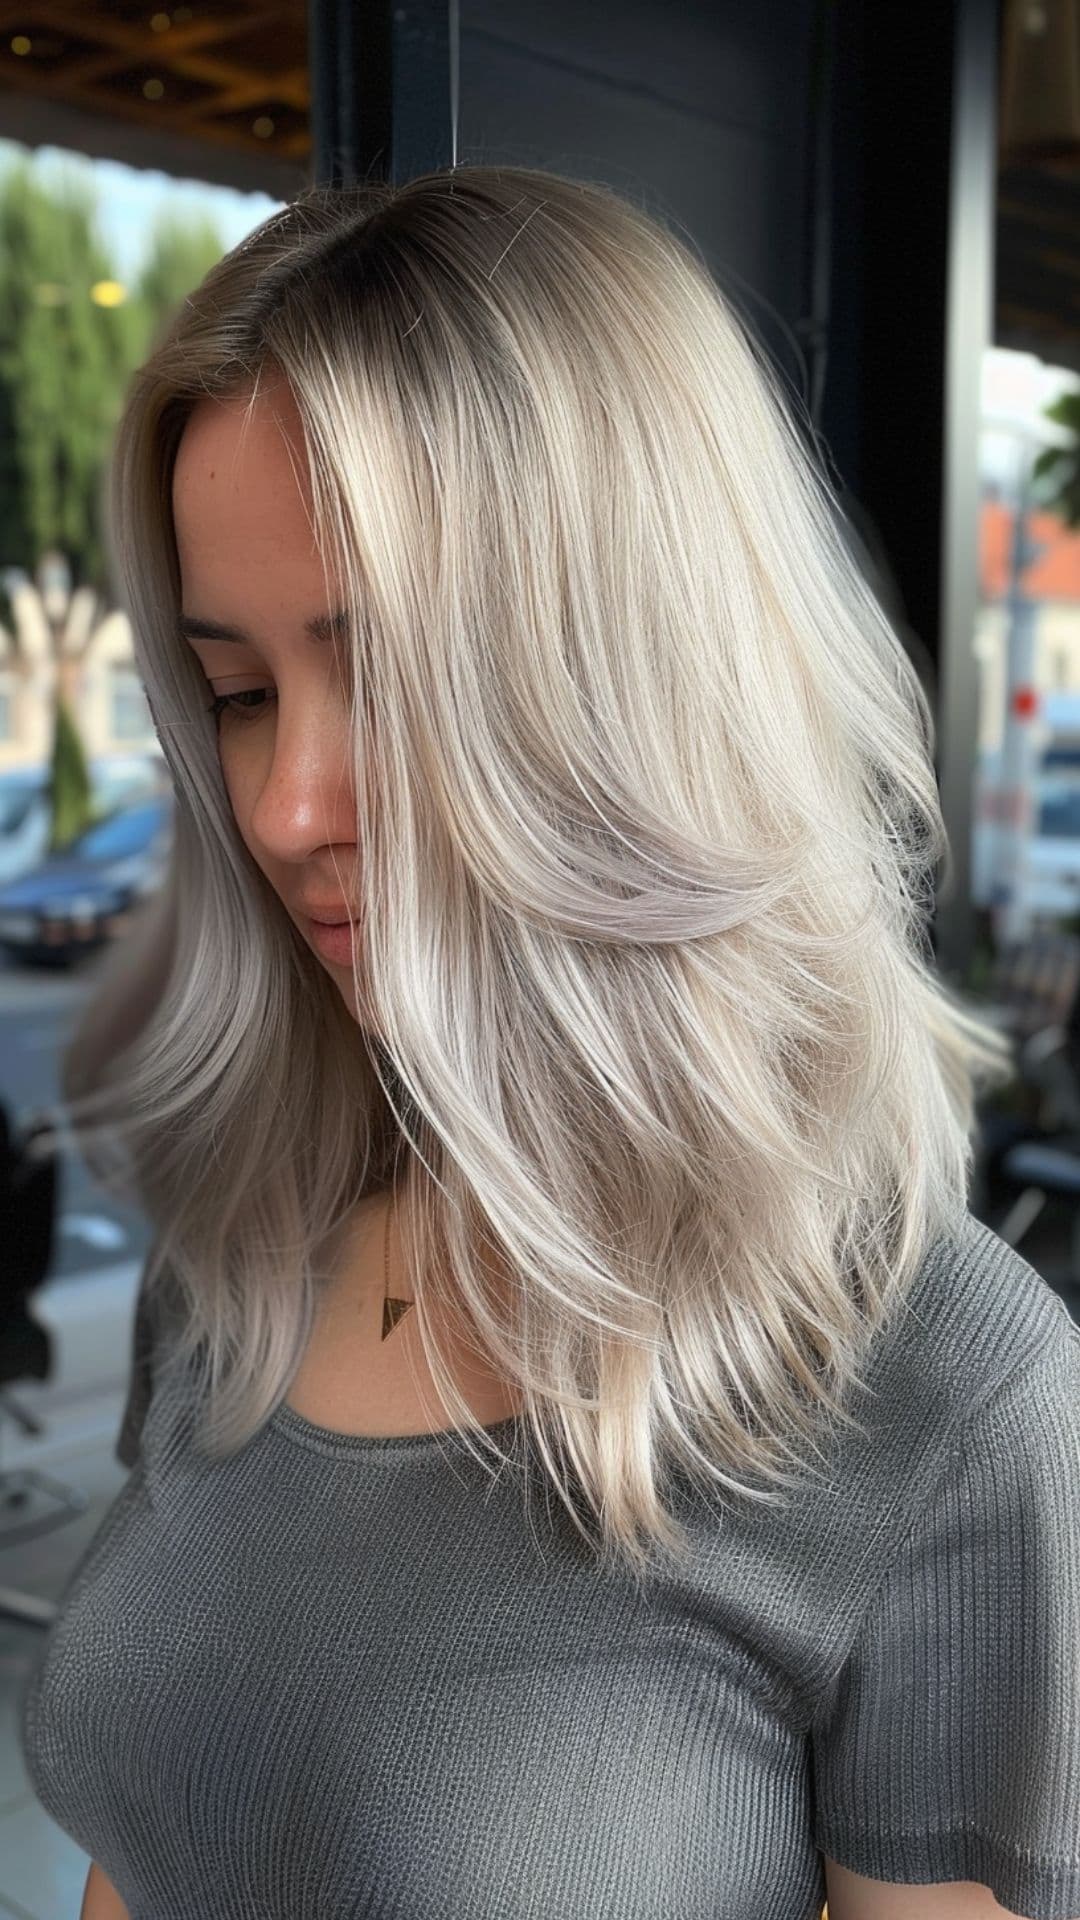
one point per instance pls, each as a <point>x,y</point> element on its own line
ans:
<point>1067,265</point>
<point>187,119</point>
<point>182,50</point>
<point>202,56</point>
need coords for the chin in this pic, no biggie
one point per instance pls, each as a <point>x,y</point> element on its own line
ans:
<point>359,1009</point>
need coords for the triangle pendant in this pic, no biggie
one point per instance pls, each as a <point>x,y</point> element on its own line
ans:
<point>393,1311</point>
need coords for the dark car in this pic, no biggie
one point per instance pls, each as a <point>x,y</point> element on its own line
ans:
<point>26,809</point>
<point>75,900</point>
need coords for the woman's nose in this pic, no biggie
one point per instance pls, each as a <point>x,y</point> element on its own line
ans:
<point>307,798</point>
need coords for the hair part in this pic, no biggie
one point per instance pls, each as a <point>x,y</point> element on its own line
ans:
<point>646,886</point>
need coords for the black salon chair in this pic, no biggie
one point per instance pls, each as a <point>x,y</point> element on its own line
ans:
<point>28,1190</point>
<point>1024,1162</point>
<point>1044,1164</point>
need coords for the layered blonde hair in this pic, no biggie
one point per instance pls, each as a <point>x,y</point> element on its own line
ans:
<point>647,832</point>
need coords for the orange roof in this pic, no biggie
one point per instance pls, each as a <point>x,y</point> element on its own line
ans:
<point>1055,575</point>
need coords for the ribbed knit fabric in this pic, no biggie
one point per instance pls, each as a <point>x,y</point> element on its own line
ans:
<point>350,1678</point>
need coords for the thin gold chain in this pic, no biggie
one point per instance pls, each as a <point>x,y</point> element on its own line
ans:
<point>393,1310</point>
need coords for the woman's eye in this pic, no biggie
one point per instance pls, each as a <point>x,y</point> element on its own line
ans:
<point>236,703</point>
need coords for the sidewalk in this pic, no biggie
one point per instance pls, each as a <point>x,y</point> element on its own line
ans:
<point>89,1319</point>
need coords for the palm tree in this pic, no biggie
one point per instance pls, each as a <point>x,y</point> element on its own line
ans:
<point>53,633</point>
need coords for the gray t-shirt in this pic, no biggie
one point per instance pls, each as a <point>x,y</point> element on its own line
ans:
<point>350,1678</point>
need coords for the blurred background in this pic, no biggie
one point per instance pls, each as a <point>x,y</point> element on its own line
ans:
<point>890,196</point>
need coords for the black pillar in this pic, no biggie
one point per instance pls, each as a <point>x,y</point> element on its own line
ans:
<point>909,235</point>
<point>380,88</point>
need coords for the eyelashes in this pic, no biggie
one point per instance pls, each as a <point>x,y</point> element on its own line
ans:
<point>235,704</point>
<point>231,703</point>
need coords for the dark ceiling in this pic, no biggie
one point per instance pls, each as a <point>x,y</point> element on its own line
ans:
<point>1037,293</point>
<point>220,92</point>
<point>1037,290</point>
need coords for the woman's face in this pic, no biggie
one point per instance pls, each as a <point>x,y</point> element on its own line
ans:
<point>248,562</point>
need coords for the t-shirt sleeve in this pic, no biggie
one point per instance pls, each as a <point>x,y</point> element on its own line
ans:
<point>947,1747</point>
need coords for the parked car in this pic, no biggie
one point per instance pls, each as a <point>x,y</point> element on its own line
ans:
<point>76,900</point>
<point>24,802</point>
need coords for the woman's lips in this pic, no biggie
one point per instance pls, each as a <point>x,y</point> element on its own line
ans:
<point>334,943</point>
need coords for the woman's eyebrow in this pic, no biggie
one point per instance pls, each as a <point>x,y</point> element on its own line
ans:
<point>321,626</point>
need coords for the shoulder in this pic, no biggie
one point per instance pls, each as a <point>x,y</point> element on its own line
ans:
<point>975,1317</point>
<point>946,1735</point>
<point>979,1350</point>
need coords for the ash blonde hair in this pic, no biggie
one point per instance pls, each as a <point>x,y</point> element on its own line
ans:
<point>646,878</point>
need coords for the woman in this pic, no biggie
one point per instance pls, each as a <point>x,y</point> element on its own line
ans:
<point>488,600</point>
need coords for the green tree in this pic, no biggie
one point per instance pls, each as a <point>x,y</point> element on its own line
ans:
<point>71,337</point>
<point>64,357</point>
<point>182,250</point>
<point>1056,472</point>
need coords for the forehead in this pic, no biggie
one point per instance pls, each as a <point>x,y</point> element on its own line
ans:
<point>240,490</point>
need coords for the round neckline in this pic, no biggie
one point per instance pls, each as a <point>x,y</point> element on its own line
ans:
<point>298,1428</point>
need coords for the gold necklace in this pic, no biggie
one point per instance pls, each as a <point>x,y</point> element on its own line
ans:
<point>393,1310</point>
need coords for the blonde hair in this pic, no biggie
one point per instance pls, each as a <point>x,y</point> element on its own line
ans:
<point>646,881</point>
